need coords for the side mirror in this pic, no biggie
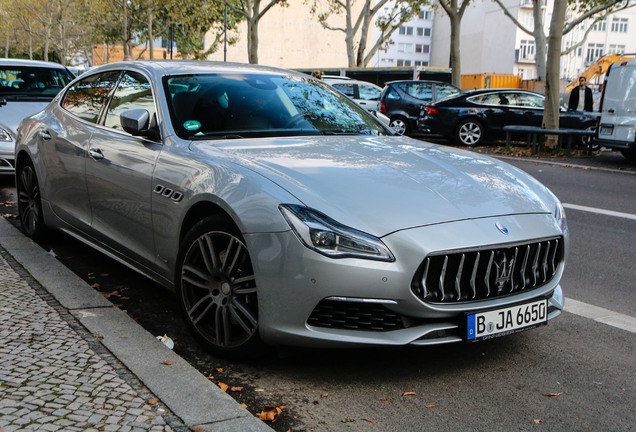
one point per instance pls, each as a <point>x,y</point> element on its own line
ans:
<point>137,123</point>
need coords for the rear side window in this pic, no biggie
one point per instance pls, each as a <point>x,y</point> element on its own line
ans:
<point>423,91</point>
<point>391,94</point>
<point>369,92</point>
<point>86,98</point>
<point>133,92</point>
<point>445,90</point>
<point>346,89</point>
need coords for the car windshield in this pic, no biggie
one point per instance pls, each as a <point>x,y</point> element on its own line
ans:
<point>233,105</point>
<point>30,81</point>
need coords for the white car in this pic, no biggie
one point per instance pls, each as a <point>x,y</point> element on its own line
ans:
<point>364,93</point>
<point>26,87</point>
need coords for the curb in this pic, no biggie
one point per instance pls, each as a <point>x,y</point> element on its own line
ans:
<point>200,404</point>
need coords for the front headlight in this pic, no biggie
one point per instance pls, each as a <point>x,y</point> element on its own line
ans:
<point>559,215</point>
<point>5,135</point>
<point>330,238</point>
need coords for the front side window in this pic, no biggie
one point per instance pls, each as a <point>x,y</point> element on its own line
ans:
<point>133,92</point>
<point>346,89</point>
<point>87,97</point>
<point>204,106</point>
<point>31,81</point>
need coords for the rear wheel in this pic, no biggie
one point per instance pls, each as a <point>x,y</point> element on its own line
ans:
<point>29,201</point>
<point>589,140</point>
<point>217,289</point>
<point>398,124</point>
<point>469,132</point>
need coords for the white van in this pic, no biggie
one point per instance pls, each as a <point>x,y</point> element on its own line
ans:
<point>617,124</point>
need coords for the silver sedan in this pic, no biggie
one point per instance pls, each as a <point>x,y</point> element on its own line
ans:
<point>282,213</point>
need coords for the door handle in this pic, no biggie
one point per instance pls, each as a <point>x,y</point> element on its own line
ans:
<point>96,154</point>
<point>611,110</point>
<point>45,135</point>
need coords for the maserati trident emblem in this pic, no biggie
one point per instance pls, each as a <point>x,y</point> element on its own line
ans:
<point>503,271</point>
<point>501,227</point>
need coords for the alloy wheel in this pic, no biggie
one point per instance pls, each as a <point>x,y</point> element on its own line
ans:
<point>470,133</point>
<point>29,201</point>
<point>218,290</point>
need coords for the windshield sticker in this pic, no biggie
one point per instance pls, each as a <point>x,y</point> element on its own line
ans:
<point>192,125</point>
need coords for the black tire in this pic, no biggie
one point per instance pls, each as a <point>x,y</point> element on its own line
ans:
<point>29,201</point>
<point>469,133</point>
<point>216,289</point>
<point>400,125</point>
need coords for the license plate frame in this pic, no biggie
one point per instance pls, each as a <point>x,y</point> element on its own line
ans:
<point>606,130</point>
<point>506,320</point>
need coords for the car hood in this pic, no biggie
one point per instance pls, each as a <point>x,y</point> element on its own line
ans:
<point>15,111</point>
<point>385,184</point>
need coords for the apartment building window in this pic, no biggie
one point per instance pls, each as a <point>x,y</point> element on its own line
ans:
<point>600,26</point>
<point>616,49</point>
<point>427,31</point>
<point>406,31</point>
<point>426,49</point>
<point>579,52</point>
<point>594,51</point>
<point>418,48</point>
<point>619,25</point>
<point>405,47</point>
<point>526,50</point>
<point>404,62</point>
<point>420,31</point>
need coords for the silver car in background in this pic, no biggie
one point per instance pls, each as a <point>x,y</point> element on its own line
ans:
<point>26,87</point>
<point>282,213</point>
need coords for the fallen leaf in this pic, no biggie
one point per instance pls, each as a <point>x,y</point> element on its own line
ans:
<point>236,388</point>
<point>153,401</point>
<point>548,394</point>
<point>107,295</point>
<point>271,413</point>
<point>409,394</point>
<point>259,390</point>
<point>244,405</point>
<point>223,386</point>
<point>537,421</point>
<point>219,369</point>
<point>430,406</point>
<point>369,420</point>
<point>210,377</point>
<point>386,400</point>
<point>347,420</point>
<point>324,395</point>
<point>98,286</point>
<point>167,362</point>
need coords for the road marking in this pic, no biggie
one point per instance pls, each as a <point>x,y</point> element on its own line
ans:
<point>600,211</point>
<point>599,314</point>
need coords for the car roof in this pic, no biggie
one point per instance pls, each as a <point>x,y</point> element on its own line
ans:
<point>496,90</point>
<point>417,81</point>
<point>31,63</point>
<point>350,81</point>
<point>186,67</point>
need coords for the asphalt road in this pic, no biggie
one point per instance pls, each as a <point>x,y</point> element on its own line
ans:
<point>574,374</point>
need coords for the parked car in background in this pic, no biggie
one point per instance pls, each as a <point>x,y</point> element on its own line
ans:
<point>282,213</point>
<point>401,101</point>
<point>26,87</point>
<point>478,115</point>
<point>365,94</point>
<point>617,123</point>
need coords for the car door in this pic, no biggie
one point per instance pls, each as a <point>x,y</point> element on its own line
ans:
<point>369,96</point>
<point>119,172</point>
<point>530,109</point>
<point>418,93</point>
<point>69,136</point>
<point>497,109</point>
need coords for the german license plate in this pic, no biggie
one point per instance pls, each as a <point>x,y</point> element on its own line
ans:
<point>505,321</point>
<point>606,130</point>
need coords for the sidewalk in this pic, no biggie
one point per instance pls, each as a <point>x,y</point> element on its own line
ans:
<point>71,361</point>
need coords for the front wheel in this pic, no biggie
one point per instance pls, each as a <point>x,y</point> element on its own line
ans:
<point>29,201</point>
<point>216,288</point>
<point>470,133</point>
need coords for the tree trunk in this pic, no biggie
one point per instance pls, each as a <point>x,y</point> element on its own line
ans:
<point>539,40</point>
<point>456,75</point>
<point>151,46</point>
<point>553,67</point>
<point>364,33</point>
<point>252,40</point>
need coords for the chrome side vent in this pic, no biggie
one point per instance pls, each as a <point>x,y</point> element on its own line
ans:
<point>482,274</point>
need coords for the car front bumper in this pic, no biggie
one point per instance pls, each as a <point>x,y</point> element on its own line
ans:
<point>306,299</point>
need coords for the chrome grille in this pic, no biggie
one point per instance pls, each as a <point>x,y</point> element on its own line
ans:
<point>354,316</point>
<point>483,274</point>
